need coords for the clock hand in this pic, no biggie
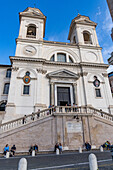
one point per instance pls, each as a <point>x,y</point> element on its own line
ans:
<point>29,51</point>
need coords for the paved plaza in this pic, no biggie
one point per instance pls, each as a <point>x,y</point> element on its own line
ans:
<point>66,161</point>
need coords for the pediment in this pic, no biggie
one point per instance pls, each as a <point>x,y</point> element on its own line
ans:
<point>85,21</point>
<point>32,12</point>
<point>63,74</point>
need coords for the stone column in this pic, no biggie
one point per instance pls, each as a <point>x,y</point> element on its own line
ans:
<point>95,36</point>
<point>86,129</point>
<point>75,93</point>
<point>52,94</point>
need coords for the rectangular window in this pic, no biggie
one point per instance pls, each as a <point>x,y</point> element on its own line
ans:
<point>6,88</point>
<point>98,93</point>
<point>61,57</point>
<point>8,73</point>
<point>26,89</point>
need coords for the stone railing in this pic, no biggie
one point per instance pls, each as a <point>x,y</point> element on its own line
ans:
<point>26,120</point>
<point>73,110</point>
<point>58,110</point>
<point>102,114</point>
<point>83,110</point>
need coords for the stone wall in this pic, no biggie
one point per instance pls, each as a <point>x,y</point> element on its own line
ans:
<point>65,129</point>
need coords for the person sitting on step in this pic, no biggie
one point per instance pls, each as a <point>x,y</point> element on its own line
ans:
<point>88,146</point>
<point>36,148</point>
<point>6,149</point>
<point>13,149</point>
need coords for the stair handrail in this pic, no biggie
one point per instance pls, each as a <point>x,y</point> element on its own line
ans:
<point>101,111</point>
<point>19,121</point>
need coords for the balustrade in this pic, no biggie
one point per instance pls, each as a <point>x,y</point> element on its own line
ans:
<point>59,110</point>
<point>26,119</point>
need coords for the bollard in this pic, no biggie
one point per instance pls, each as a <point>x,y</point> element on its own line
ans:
<point>93,162</point>
<point>101,149</point>
<point>57,151</point>
<point>22,164</point>
<point>80,150</point>
<point>7,155</point>
<point>33,153</point>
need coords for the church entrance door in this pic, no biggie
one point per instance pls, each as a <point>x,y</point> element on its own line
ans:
<point>63,96</point>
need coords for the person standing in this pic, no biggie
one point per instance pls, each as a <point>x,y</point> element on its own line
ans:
<point>24,119</point>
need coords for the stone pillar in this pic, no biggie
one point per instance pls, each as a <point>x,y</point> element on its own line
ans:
<point>10,107</point>
<point>52,94</point>
<point>95,36</point>
<point>75,93</point>
<point>86,129</point>
<point>79,36</point>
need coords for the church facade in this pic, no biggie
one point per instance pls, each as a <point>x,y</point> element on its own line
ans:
<point>44,73</point>
<point>48,73</point>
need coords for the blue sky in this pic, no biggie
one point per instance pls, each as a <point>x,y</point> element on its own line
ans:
<point>59,15</point>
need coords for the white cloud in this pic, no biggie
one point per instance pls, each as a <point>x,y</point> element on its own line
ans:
<point>107,52</point>
<point>99,12</point>
<point>107,23</point>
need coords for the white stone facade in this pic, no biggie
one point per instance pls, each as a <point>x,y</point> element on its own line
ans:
<point>83,61</point>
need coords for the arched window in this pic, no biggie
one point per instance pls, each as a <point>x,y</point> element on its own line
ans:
<point>31,31</point>
<point>74,40</point>
<point>61,57</point>
<point>6,88</point>
<point>52,58</point>
<point>8,73</point>
<point>70,60</point>
<point>2,106</point>
<point>87,37</point>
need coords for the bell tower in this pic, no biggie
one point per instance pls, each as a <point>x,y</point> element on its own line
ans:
<point>32,24</point>
<point>32,29</point>
<point>82,31</point>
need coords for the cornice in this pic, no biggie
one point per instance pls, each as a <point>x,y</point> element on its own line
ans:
<point>60,63</point>
<point>47,62</point>
<point>17,58</point>
<point>90,47</point>
<point>44,42</point>
<point>55,43</point>
<point>95,64</point>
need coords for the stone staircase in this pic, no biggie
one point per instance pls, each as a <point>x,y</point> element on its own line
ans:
<point>55,111</point>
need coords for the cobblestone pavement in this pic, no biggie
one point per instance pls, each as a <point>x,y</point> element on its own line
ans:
<point>66,161</point>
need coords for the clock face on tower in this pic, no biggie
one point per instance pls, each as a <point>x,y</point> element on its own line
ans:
<point>29,50</point>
